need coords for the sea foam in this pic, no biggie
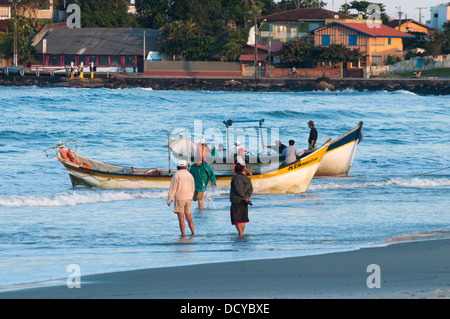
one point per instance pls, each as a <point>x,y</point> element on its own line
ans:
<point>402,182</point>
<point>74,198</point>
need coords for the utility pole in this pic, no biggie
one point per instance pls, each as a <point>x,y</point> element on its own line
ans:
<point>15,2</point>
<point>256,49</point>
<point>420,13</point>
<point>255,62</point>
<point>399,17</point>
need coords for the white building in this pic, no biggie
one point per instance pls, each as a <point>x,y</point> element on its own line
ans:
<point>440,14</point>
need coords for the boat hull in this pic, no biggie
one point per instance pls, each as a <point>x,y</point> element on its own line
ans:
<point>337,160</point>
<point>339,157</point>
<point>294,178</point>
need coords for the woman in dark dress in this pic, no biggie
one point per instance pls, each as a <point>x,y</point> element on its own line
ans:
<point>240,192</point>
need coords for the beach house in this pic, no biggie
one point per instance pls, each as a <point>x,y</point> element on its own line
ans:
<point>31,10</point>
<point>375,42</point>
<point>410,25</point>
<point>109,49</point>
<point>292,24</point>
<point>439,15</point>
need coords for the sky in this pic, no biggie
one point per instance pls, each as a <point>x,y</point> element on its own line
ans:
<point>408,7</point>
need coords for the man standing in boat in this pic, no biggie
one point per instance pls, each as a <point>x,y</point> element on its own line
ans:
<point>202,173</point>
<point>182,190</point>
<point>312,136</point>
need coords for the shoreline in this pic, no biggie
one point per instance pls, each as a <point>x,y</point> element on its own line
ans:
<point>421,86</point>
<point>408,270</point>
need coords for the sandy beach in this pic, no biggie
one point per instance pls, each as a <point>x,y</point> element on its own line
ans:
<point>405,270</point>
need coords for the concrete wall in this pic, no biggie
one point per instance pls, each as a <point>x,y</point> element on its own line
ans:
<point>414,65</point>
<point>307,73</point>
<point>193,68</point>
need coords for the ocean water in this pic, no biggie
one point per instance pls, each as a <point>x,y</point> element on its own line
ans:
<point>46,224</point>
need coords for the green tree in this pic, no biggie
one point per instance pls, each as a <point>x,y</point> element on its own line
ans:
<point>439,43</point>
<point>6,45</point>
<point>202,12</point>
<point>32,7</point>
<point>200,48</point>
<point>104,13</point>
<point>231,51</point>
<point>176,35</point>
<point>237,11</point>
<point>419,40</point>
<point>334,53</point>
<point>231,48</point>
<point>337,53</point>
<point>285,5</point>
<point>152,13</point>
<point>361,7</point>
<point>294,52</point>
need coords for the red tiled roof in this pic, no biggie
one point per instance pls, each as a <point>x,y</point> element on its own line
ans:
<point>251,57</point>
<point>273,47</point>
<point>305,14</point>
<point>382,31</point>
<point>394,23</point>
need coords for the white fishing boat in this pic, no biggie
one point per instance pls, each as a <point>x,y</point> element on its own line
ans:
<point>84,171</point>
<point>339,157</point>
<point>337,161</point>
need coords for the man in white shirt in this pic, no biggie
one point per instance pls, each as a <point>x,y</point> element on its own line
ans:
<point>182,189</point>
<point>291,153</point>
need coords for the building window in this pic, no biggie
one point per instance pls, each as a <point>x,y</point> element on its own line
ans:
<point>68,59</point>
<point>115,60</point>
<point>103,60</point>
<point>54,60</point>
<point>326,39</point>
<point>352,40</point>
<point>4,13</point>
<point>93,59</point>
<point>389,41</point>
<point>377,60</point>
<point>313,26</point>
<point>82,59</point>
<point>285,32</point>
<point>130,61</point>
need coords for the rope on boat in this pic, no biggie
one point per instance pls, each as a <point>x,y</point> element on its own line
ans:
<point>57,146</point>
<point>434,171</point>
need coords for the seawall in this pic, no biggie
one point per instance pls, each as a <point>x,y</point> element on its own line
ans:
<point>422,86</point>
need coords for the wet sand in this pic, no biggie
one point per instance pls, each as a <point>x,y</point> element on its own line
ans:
<point>405,270</point>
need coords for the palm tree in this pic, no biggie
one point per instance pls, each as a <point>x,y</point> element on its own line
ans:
<point>177,35</point>
<point>231,51</point>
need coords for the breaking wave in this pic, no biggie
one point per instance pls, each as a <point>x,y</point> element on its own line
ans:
<point>88,197</point>
<point>412,182</point>
<point>76,198</point>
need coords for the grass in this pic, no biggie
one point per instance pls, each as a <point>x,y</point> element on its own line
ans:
<point>436,73</point>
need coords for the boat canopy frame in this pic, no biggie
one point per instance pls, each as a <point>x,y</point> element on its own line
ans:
<point>230,122</point>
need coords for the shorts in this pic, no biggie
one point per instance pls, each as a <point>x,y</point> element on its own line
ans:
<point>198,195</point>
<point>182,206</point>
<point>239,213</point>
